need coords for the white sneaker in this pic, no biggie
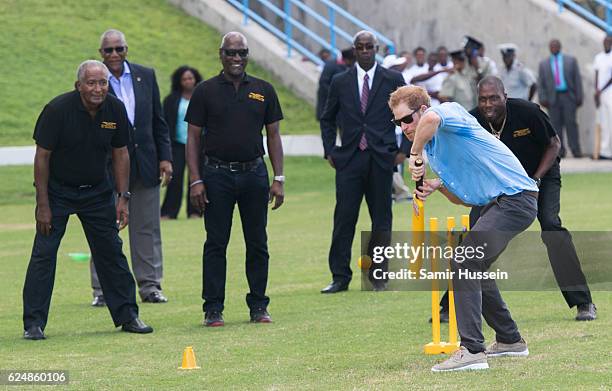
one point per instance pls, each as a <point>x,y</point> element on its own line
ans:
<point>462,360</point>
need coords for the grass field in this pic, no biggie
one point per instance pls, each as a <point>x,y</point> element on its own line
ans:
<point>354,340</point>
<point>44,41</point>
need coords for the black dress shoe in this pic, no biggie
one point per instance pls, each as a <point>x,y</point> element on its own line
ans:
<point>155,297</point>
<point>136,326</point>
<point>98,301</point>
<point>34,333</point>
<point>335,287</point>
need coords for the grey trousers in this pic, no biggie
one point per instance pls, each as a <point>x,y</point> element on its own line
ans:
<point>563,117</point>
<point>499,222</point>
<point>145,240</point>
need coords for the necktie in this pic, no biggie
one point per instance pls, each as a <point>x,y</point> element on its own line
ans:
<point>365,92</point>
<point>557,77</point>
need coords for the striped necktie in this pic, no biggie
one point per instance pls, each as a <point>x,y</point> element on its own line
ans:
<point>365,93</point>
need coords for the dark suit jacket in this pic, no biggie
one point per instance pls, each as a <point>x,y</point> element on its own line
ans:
<point>330,69</point>
<point>343,110</point>
<point>546,80</point>
<point>149,138</point>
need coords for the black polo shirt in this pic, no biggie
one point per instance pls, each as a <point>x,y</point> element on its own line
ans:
<point>527,133</point>
<point>233,119</point>
<point>80,144</point>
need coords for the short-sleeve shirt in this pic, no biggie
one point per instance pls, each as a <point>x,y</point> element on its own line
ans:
<point>233,119</point>
<point>517,81</point>
<point>473,164</point>
<point>81,144</point>
<point>460,87</point>
<point>603,65</point>
<point>527,133</point>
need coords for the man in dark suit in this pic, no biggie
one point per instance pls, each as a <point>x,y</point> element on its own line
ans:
<point>332,68</point>
<point>150,163</point>
<point>357,104</point>
<point>560,91</point>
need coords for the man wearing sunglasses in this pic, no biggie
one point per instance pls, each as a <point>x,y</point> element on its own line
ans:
<point>474,169</point>
<point>364,162</point>
<point>150,164</point>
<point>234,107</point>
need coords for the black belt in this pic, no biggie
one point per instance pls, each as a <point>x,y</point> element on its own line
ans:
<point>232,166</point>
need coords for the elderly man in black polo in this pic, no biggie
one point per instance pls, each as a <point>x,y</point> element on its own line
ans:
<point>234,107</point>
<point>76,135</point>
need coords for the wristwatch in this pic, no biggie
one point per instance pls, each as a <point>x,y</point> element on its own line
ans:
<point>280,178</point>
<point>538,181</point>
<point>126,194</point>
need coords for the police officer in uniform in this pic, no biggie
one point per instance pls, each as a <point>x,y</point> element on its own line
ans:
<point>234,107</point>
<point>460,85</point>
<point>76,135</point>
<point>527,131</point>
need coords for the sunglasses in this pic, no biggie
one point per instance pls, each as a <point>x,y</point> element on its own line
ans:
<point>407,119</point>
<point>367,46</point>
<point>243,53</point>
<point>118,49</point>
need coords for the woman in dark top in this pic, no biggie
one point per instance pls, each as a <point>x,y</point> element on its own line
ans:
<point>184,81</point>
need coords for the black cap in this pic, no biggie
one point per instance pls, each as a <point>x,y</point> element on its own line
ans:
<point>507,49</point>
<point>471,43</point>
<point>457,54</point>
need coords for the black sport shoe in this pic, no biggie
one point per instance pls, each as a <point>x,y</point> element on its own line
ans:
<point>443,316</point>
<point>260,315</point>
<point>213,319</point>
<point>586,311</point>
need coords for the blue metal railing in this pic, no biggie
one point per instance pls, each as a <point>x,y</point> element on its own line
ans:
<point>328,21</point>
<point>605,24</point>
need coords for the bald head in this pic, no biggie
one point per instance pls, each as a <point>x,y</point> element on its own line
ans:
<point>493,82</point>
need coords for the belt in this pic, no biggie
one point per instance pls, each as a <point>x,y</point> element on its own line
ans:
<point>232,166</point>
<point>531,193</point>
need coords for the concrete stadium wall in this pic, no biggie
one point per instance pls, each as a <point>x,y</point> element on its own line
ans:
<point>528,23</point>
<point>300,76</point>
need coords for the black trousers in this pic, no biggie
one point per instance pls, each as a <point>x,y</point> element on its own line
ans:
<point>558,241</point>
<point>363,176</point>
<point>563,118</point>
<point>95,207</point>
<point>250,191</point>
<point>174,193</point>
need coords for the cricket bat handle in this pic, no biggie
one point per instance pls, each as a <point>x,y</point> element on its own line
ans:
<point>419,182</point>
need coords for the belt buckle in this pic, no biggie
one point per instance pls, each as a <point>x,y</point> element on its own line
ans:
<point>231,166</point>
<point>84,187</point>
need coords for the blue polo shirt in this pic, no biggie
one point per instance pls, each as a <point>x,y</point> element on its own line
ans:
<point>473,164</point>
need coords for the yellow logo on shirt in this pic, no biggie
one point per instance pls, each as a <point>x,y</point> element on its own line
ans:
<point>521,132</point>
<point>108,125</point>
<point>259,97</point>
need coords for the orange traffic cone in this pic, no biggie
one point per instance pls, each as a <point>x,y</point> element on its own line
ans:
<point>189,360</point>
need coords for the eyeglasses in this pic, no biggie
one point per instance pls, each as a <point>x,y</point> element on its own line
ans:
<point>118,49</point>
<point>243,53</point>
<point>407,119</point>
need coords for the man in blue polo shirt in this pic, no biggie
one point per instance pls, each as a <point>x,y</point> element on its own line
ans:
<point>473,168</point>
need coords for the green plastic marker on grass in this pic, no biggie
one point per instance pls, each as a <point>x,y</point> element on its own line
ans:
<point>79,257</point>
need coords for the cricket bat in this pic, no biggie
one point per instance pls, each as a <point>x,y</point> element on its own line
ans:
<point>418,222</point>
<point>597,141</point>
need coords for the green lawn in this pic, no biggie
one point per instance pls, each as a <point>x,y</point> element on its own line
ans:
<point>354,340</point>
<point>44,41</point>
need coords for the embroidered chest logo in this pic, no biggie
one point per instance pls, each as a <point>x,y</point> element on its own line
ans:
<point>521,132</point>
<point>256,96</point>
<point>108,125</point>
